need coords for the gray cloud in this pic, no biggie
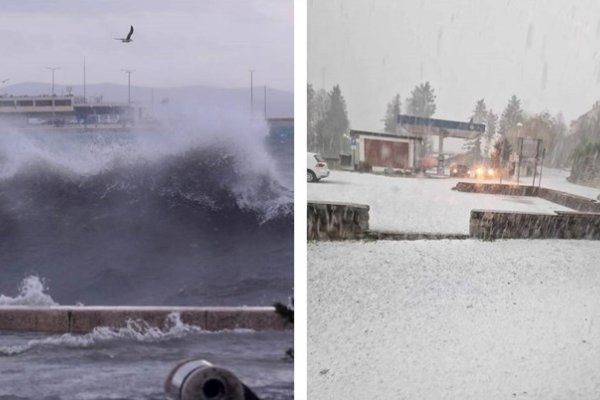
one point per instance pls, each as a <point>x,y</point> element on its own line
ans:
<point>176,43</point>
<point>545,52</point>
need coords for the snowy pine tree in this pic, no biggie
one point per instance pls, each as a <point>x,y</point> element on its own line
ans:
<point>391,114</point>
<point>491,123</point>
<point>473,146</point>
<point>335,125</point>
<point>311,138</point>
<point>317,109</point>
<point>421,102</point>
<point>512,115</point>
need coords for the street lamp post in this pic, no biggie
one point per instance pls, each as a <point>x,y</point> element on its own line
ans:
<point>520,141</point>
<point>52,69</point>
<point>252,93</point>
<point>129,72</point>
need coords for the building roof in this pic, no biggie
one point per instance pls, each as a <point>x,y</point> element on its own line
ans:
<point>420,125</point>
<point>384,134</point>
<point>281,119</point>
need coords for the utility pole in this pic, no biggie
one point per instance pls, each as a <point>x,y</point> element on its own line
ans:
<point>84,97</point>
<point>265,101</point>
<point>52,69</point>
<point>128,72</point>
<point>252,93</point>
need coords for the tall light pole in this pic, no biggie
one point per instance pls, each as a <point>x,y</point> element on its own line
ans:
<point>251,93</point>
<point>265,101</point>
<point>128,72</point>
<point>52,69</point>
<point>84,82</point>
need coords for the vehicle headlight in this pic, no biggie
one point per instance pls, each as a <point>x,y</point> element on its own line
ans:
<point>491,172</point>
<point>454,171</point>
<point>479,171</point>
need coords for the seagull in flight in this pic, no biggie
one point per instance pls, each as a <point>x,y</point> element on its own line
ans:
<point>5,80</point>
<point>128,38</point>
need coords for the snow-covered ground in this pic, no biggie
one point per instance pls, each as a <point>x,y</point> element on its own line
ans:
<point>453,319</point>
<point>418,204</point>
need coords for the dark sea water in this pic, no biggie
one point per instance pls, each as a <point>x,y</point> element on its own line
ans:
<point>148,218</point>
<point>132,364</point>
<point>180,216</point>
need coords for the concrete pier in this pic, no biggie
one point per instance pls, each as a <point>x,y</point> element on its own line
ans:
<point>73,319</point>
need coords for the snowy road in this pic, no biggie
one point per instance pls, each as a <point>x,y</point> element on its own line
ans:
<point>418,205</point>
<point>454,319</point>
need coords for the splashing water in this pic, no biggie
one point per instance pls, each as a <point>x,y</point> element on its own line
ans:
<point>135,330</point>
<point>31,293</point>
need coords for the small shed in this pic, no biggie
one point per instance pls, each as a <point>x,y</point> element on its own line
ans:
<point>384,151</point>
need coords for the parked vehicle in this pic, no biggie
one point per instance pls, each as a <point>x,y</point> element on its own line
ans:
<point>459,171</point>
<point>483,172</point>
<point>316,168</point>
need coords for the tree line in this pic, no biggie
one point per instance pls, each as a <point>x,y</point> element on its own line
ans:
<point>328,125</point>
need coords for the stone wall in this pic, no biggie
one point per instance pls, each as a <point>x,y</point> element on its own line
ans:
<point>66,319</point>
<point>496,188</point>
<point>577,203</point>
<point>489,225</point>
<point>336,221</point>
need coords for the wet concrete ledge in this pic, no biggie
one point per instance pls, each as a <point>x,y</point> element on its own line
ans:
<point>73,319</point>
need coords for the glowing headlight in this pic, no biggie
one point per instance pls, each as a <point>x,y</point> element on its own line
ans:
<point>454,171</point>
<point>479,171</point>
<point>491,172</point>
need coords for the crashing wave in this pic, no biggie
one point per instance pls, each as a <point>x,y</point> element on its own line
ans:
<point>31,293</point>
<point>214,175</point>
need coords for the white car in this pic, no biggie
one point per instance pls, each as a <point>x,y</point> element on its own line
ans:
<point>316,168</point>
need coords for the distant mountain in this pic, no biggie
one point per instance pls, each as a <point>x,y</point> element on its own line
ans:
<point>279,103</point>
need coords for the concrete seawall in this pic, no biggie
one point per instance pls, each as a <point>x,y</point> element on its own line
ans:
<point>489,225</point>
<point>66,319</point>
<point>336,221</point>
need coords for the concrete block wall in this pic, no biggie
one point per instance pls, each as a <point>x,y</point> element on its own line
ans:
<point>578,203</point>
<point>64,319</point>
<point>337,221</point>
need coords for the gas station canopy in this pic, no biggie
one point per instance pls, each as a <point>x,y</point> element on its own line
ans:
<point>441,127</point>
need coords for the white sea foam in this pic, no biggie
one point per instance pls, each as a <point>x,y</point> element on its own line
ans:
<point>31,293</point>
<point>135,330</point>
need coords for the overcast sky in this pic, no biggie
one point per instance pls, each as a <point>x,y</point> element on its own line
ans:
<point>176,43</point>
<point>546,52</point>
